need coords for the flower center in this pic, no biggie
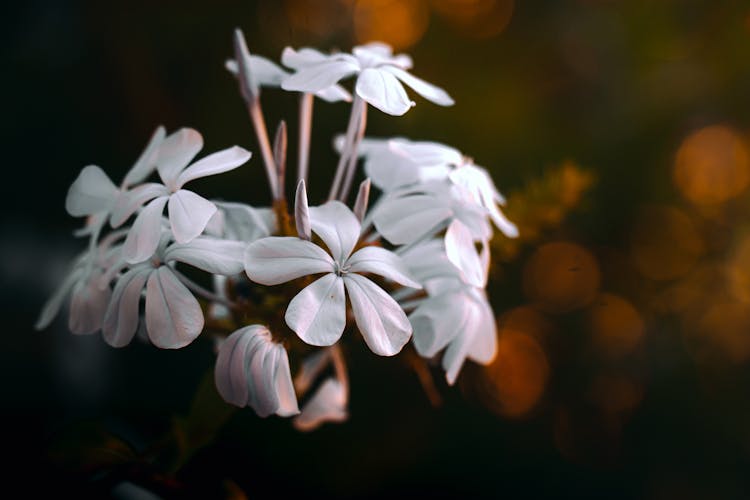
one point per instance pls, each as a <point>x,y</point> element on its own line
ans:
<point>340,269</point>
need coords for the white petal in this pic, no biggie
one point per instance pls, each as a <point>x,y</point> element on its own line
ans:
<point>381,320</point>
<point>278,259</point>
<point>55,302</point>
<point>302,212</point>
<point>266,73</point>
<point>317,314</point>
<point>334,93</point>
<point>121,319</point>
<point>428,261</point>
<point>382,262</point>
<point>286,398</point>
<point>230,372</point>
<point>245,223</point>
<point>426,153</point>
<point>459,246</point>
<point>328,404</point>
<point>130,201</point>
<point>483,346</point>
<point>175,154</point>
<point>437,321</point>
<point>320,76</point>
<point>384,91</point>
<point>189,214</point>
<point>144,236</point>
<point>421,87</point>
<point>337,226</point>
<point>212,255</point>
<point>389,171</point>
<point>216,163</point>
<point>173,316</point>
<point>146,163</point>
<point>88,305</point>
<point>405,220</point>
<point>303,57</point>
<point>91,192</point>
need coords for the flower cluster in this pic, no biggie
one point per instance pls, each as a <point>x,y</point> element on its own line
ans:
<point>413,263</point>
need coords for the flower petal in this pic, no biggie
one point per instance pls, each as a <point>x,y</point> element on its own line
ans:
<point>426,153</point>
<point>216,163</point>
<point>245,223</point>
<point>283,387</point>
<point>230,372</point>
<point>265,72</point>
<point>384,263</point>
<point>278,259</point>
<point>381,320</point>
<point>320,76</point>
<point>334,93</point>
<point>189,214</point>
<point>212,255</point>
<point>176,152</point>
<point>130,201</point>
<point>384,91</point>
<point>317,314</point>
<point>437,321</point>
<point>459,246</point>
<point>328,404</point>
<point>91,192</point>
<point>143,238</point>
<point>88,305</point>
<point>421,87</point>
<point>173,316</point>
<point>337,226</point>
<point>406,219</point>
<point>306,56</point>
<point>146,163</point>
<point>121,318</point>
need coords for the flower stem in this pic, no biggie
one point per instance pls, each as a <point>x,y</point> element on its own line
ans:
<point>351,166</point>
<point>261,132</point>
<point>305,129</point>
<point>358,106</point>
<point>339,365</point>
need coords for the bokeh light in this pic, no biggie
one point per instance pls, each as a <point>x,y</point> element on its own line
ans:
<point>476,18</point>
<point>616,325</point>
<point>665,243</point>
<point>400,23</point>
<point>712,165</point>
<point>561,277</point>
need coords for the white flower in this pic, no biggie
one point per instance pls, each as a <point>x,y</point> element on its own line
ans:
<point>252,370</point>
<point>380,75</point>
<point>328,404</point>
<point>173,315</point>
<point>318,313</point>
<point>189,213</point>
<point>94,194</point>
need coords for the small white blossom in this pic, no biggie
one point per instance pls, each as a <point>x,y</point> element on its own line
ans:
<point>328,404</point>
<point>318,313</point>
<point>380,75</point>
<point>252,370</point>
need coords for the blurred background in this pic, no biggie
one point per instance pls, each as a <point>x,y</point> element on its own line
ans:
<point>619,132</point>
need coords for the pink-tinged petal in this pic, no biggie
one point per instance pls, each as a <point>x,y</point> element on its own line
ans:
<point>88,305</point>
<point>189,214</point>
<point>407,219</point>
<point>144,236</point>
<point>146,163</point>
<point>483,346</point>
<point>121,319</point>
<point>91,192</point>
<point>362,201</point>
<point>328,404</point>
<point>317,314</point>
<point>384,263</point>
<point>173,316</point>
<point>384,91</point>
<point>320,76</point>
<point>175,154</point>
<point>421,87</point>
<point>287,399</point>
<point>230,372</point>
<point>302,212</point>
<point>312,366</point>
<point>212,255</point>
<point>337,227</point>
<point>216,163</point>
<point>130,201</point>
<point>436,322</point>
<point>55,302</point>
<point>459,246</point>
<point>278,259</point>
<point>381,320</point>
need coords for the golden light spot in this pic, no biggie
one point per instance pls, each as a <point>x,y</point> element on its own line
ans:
<point>400,23</point>
<point>726,327</point>
<point>738,271</point>
<point>515,381</point>
<point>712,166</point>
<point>616,394</point>
<point>476,18</point>
<point>561,277</point>
<point>664,243</point>
<point>321,19</point>
<point>616,326</point>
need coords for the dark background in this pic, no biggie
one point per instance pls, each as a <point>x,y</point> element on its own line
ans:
<point>615,88</point>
